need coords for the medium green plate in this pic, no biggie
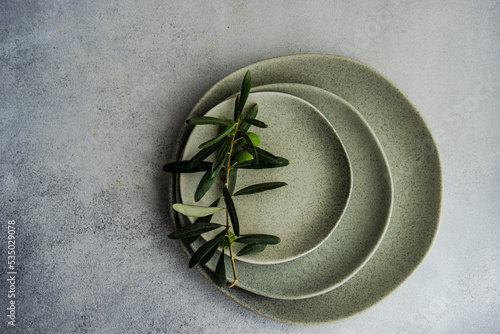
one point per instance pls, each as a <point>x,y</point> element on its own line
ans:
<point>414,164</point>
<point>362,226</point>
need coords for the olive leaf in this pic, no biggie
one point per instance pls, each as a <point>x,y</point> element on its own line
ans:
<point>210,254</point>
<point>195,210</point>
<point>232,210</point>
<point>264,155</point>
<point>222,155</point>
<point>201,155</point>
<point>241,157</point>
<point>193,230</point>
<point>231,183</point>
<point>218,138</point>
<point>205,219</point>
<point>220,271</point>
<point>259,239</point>
<point>228,240</point>
<point>245,91</point>
<point>251,249</point>
<point>206,182</point>
<point>255,122</point>
<point>253,150</point>
<point>236,108</point>
<point>205,249</point>
<point>260,187</point>
<point>255,139</point>
<point>252,113</point>
<point>207,120</point>
<point>182,167</point>
<point>281,162</point>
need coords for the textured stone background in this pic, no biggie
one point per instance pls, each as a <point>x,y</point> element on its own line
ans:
<point>92,94</point>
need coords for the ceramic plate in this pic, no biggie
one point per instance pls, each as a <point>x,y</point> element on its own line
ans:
<point>415,168</point>
<point>362,226</point>
<point>305,212</point>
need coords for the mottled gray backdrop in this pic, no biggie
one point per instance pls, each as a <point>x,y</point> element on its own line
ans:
<point>92,94</point>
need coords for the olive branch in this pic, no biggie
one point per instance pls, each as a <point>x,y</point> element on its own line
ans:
<point>234,148</point>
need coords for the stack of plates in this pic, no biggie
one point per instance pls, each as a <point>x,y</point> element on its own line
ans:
<point>362,204</point>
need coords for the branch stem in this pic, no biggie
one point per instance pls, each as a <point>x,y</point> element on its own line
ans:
<point>226,183</point>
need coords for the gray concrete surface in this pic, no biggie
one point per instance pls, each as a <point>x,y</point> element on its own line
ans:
<point>92,94</point>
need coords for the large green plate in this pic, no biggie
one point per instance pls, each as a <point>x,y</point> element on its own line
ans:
<point>414,164</point>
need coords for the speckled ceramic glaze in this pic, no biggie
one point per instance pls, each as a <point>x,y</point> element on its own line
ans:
<point>305,212</point>
<point>414,165</point>
<point>364,222</point>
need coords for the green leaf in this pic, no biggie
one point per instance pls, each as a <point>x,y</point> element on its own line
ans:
<point>199,220</point>
<point>207,219</point>
<point>182,167</point>
<point>220,271</point>
<point>255,139</point>
<point>264,155</point>
<point>231,182</point>
<point>201,155</point>
<point>251,249</point>
<point>228,124</point>
<point>243,156</point>
<point>210,254</point>
<point>193,230</point>
<point>282,162</point>
<point>250,144</point>
<point>245,91</point>
<point>252,113</point>
<point>232,210</point>
<point>206,120</point>
<point>260,187</point>
<point>218,138</point>
<point>226,241</point>
<point>205,249</point>
<point>206,182</point>
<point>255,122</point>
<point>259,239</point>
<point>195,210</point>
<point>236,108</point>
<point>222,155</point>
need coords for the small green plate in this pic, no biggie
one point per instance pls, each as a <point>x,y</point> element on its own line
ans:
<point>305,212</point>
